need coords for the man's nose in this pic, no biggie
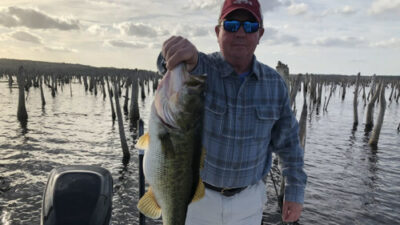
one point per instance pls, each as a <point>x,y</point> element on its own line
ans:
<point>240,32</point>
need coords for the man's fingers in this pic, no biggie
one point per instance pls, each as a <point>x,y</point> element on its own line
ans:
<point>291,211</point>
<point>179,55</point>
<point>166,49</point>
<point>176,50</point>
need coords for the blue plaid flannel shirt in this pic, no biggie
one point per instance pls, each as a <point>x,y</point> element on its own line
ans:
<point>244,122</point>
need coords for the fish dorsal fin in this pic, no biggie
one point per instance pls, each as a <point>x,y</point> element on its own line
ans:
<point>200,191</point>
<point>148,205</point>
<point>143,142</point>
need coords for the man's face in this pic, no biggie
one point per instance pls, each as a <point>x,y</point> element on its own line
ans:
<point>238,46</point>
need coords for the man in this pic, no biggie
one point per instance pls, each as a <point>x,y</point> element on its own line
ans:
<point>247,117</point>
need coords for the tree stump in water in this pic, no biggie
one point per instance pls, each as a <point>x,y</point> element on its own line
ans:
<point>103,88</point>
<point>21,114</point>
<point>303,120</point>
<point>41,92</point>
<point>10,80</point>
<point>128,82</point>
<point>111,100</point>
<point>377,128</point>
<point>85,83</point>
<point>344,90</point>
<point>53,86</point>
<point>134,114</point>
<point>124,145</point>
<point>143,94</point>
<point>355,103</point>
<point>369,119</point>
<point>155,84</point>
<point>283,70</point>
<point>373,87</point>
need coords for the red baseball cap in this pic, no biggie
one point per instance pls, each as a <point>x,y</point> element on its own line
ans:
<point>253,6</point>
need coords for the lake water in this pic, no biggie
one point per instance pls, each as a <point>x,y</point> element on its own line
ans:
<point>349,182</point>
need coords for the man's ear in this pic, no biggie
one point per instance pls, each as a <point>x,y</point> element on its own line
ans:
<point>217,30</point>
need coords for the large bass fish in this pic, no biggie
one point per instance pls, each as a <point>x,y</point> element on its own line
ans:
<point>173,147</point>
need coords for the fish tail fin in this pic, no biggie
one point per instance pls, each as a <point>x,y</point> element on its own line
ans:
<point>200,191</point>
<point>143,142</point>
<point>149,206</point>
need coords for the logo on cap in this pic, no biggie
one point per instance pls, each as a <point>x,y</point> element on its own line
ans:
<point>242,2</point>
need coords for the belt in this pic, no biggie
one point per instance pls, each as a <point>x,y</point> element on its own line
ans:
<point>228,192</point>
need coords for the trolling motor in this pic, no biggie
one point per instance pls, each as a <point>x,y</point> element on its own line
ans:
<point>77,195</point>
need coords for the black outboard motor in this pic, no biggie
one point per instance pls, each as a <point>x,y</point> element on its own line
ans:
<point>78,195</point>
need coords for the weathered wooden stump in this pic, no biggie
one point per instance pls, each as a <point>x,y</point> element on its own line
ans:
<point>126,100</point>
<point>41,92</point>
<point>124,145</point>
<point>369,119</point>
<point>355,103</point>
<point>134,114</point>
<point>143,94</point>
<point>110,94</point>
<point>22,115</point>
<point>378,126</point>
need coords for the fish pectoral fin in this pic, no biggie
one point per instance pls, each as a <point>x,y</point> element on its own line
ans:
<point>148,205</point>
<point>143,142</point>
<point>200,191</point>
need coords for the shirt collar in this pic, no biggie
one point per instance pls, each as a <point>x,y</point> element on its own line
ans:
<point>227,69</point>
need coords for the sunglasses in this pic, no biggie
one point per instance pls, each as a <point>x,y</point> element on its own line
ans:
<point>234,25</point>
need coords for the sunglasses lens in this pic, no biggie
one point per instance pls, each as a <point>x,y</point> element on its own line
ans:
<point>231,25</point>
<point>250,27</point>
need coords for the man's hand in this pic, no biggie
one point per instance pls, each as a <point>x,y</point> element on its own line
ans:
<point>291,211</point>
<point>178,49</point>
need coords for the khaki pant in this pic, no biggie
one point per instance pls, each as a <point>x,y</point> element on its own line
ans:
<point>244,208</point>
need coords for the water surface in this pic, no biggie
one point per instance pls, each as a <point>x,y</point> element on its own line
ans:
<point>349,182</point>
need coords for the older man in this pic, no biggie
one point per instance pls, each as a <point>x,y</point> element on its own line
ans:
<point>247,117</point>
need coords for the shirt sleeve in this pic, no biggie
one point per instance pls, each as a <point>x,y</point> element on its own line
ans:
<point>205,64</point>
<point>286,144</point>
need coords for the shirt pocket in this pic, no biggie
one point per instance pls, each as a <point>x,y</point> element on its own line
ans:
<point>266,116</point>
<point>214,116</point>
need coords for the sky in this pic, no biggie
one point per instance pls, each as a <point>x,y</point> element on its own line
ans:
<point>310,36</point>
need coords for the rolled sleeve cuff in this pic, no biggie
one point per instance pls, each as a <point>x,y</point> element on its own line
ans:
<point>294,194</point>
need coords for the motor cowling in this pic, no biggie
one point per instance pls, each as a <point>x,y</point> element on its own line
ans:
<point>78,195</point>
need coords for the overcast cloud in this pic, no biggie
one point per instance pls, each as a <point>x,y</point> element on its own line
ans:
<point>130,33</point>
<point>125,44</point>
<point>347,42</point>
<point>385,6</point>
<point>31,18</point>
<point>25,36</point>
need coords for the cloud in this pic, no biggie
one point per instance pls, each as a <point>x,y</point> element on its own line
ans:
<point>266,5</point>
<point>271,5</point>
<point>31,18</point>
<point>346,10</point>
<point>97,29</point>
<point>385,6</point>
<point>391,43</point>
<point>139,29</point>
<point>125,44</point>
<point>204,4</point>
<point>192,31</point>
<point>272,36</point>
<point>297,9</point>
<point>60,49</point>
<point>26,37</point>
<point>339,41</point>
